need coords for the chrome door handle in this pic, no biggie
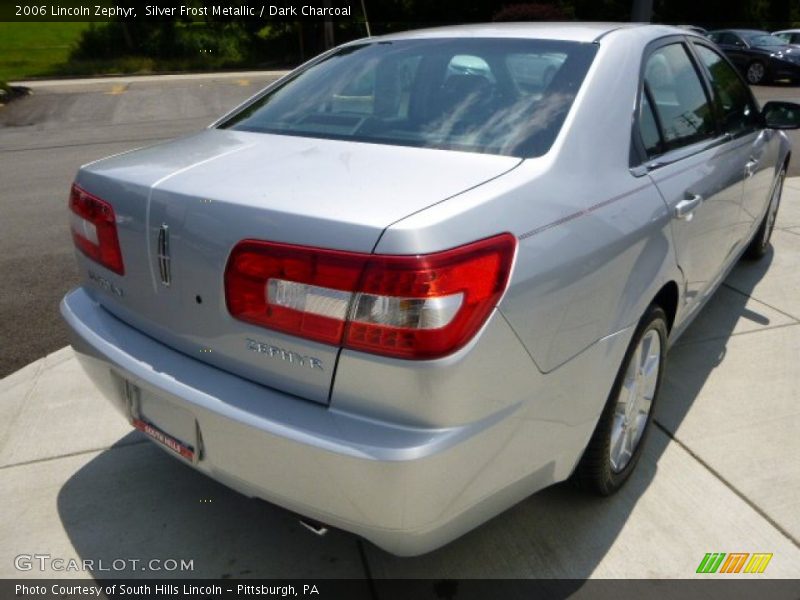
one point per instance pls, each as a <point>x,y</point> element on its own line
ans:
<point>750,167</point>
<point>685,208</point>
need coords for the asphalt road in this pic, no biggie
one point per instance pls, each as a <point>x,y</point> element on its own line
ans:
<point>45,137</point>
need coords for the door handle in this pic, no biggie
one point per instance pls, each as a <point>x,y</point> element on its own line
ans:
<point>685,208</point>
<point>750,167</point>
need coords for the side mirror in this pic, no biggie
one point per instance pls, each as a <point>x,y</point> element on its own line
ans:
<point>781,115</point>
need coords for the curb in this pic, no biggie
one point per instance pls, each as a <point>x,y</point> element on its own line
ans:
<point>126,79</point>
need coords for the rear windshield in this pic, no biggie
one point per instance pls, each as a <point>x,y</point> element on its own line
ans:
<point>495,96</point>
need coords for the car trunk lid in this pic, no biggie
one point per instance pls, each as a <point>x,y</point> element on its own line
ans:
<point>182,206</point>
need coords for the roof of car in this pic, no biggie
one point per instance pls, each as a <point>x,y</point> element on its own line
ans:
<point>568,31</point>
<point>787,31</point>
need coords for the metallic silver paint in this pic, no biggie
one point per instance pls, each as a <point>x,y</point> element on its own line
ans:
<point>294,190</point>
<point>411,454</point>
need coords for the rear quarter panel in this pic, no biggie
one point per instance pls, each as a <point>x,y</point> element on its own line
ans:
<point>594,249</point>
<point>594,243</point>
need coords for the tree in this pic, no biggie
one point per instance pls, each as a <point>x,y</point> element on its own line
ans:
<point>642,11</point>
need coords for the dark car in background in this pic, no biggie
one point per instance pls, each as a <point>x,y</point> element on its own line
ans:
<point>759,55</point>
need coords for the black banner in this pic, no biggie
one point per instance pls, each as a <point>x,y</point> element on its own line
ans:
<point>163,10</point>
<point>401,589</point>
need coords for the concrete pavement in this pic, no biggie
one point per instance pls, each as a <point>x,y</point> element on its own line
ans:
<point>720,472</point>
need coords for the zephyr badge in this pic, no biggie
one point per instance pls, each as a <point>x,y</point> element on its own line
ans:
<point>164,266</point>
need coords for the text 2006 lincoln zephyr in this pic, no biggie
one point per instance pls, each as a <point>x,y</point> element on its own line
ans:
<point>428,274</point>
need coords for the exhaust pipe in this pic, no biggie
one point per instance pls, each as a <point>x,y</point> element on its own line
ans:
<point>315,527</point>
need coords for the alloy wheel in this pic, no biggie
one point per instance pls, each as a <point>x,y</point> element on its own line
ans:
<point>635,400</point>
<point>755,72</point>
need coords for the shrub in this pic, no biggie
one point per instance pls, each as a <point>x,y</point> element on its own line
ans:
<point>168,40</point>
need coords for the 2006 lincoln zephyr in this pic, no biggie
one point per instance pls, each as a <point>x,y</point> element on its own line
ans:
<point>426,275</point>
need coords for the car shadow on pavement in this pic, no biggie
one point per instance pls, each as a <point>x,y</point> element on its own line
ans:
<point>135,502</point>
<point>694,357</point>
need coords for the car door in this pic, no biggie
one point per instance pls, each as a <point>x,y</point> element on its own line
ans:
<point>687,157</point>
<point>735,48</point>
<point>753,148</point>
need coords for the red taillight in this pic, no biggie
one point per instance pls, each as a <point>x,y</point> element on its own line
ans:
<point>94,229</point>
<point>416,307</point>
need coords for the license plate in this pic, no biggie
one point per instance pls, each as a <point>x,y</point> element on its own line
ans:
<point>163,438</point>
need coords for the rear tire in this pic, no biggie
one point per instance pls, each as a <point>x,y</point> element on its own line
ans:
<point>756,73</point>
<point>603,468</point>
<point>759,245</point>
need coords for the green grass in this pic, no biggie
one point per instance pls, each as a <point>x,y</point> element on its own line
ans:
<point>36,49</point>
<point>42,49</point>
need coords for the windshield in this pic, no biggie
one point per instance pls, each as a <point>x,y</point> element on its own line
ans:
<point>496,96</point>
<point>765,40</point>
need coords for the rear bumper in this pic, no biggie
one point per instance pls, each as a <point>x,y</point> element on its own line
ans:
<point>407,489</point>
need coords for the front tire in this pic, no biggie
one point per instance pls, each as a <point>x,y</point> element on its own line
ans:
<point>617,442</point>
<point>759,245</point>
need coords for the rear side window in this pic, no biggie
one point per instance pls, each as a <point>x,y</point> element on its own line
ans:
<point>679,100</point>
<point>651,136</point>
<point>731,95</point>
<point>495,96</point>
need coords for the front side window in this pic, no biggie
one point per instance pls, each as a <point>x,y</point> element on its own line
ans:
<point>496,96</point>
<point>731,95</point>
<point>679,100</point>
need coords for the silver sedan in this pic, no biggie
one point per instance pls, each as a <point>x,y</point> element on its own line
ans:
<point>425,275</point>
